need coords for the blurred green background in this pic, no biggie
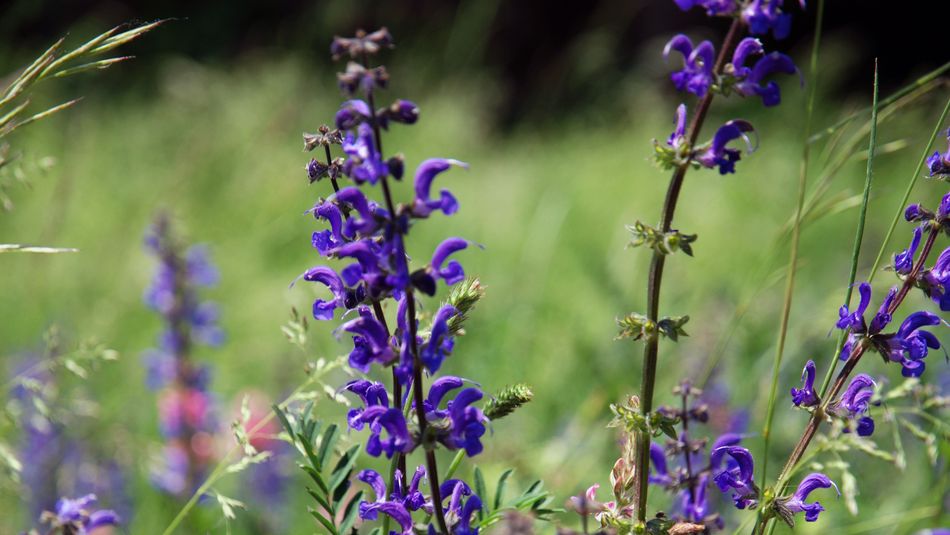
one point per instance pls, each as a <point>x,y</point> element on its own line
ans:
<point>213,135</point>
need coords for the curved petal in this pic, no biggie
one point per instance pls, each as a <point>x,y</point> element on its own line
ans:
<point>747,47</point>
<point>376,481</point>
<point>679,43</point>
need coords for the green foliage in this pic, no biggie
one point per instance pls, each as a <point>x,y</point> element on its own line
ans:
<point>661,242</point>
<point>533,500</point>
<point>336,509</point>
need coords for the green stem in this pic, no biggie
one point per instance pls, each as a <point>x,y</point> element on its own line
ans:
<point>793,253</point>
<point>859,233</point>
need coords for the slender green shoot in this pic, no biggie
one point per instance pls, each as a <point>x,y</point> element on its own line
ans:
<point>796,230</point>
<point>910,187</point>
<point>859,232</point>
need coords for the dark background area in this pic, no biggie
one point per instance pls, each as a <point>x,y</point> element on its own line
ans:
<point>532,49</point>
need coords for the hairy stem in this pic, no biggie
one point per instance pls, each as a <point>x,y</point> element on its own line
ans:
<point>648,380</point>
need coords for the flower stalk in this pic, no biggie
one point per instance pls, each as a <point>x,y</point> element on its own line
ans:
<point>655,279</point>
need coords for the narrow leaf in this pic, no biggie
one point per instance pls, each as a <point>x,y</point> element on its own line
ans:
<point>500,488</point>
<point>326,444</point>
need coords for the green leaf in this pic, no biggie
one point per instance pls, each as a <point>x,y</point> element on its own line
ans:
<point>500,488</point>
<point>849,489</point>
<point>480,489</point>
<point>326,444</point>
<point>343,467</point>
<point>349,517</point>
<point>326,523</point>
<point>317,477</point>
<point>284,421</point>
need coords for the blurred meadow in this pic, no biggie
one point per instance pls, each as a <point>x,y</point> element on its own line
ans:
<point>216,141</point>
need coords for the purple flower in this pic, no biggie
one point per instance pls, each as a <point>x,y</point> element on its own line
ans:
<point>696,505</point>
<point>79,516</point>
<point>854,401</point>
<point>764,16</point>
<point>738,478</point>
<point>916,212</point>
<point>394,509</point>
<point>399,505</point>
<point>412,498</point>
<point>452,273</point>
<point>910,344</point>
<point>749,81</point>
<point>379,419</point>
<point>457,514</point>
<point>796,502</point>
<point>936,280</point>
<point>904,261</point>
<point>855,320</point>
<point>401,111</point>
<point>805,396</point>
<point>363,162</point>
<point>440,343</point>
<point>322,309</point>
<point>352,113</point>
<point>677,138</point>
<point>325,241</point>
<point>718,154</point>
<point>468,422</point>
<point>944,209</point>
<point>712,7</point>
<point>371,341</point>
<point>367,223</point>
<point>697,74</point>
<point>659,474</point>
<point>939,164</point>
<point>372,394</point>
<point>198,267</point>
<point>186,414</point>
<point>460,424</point>
<point>423,205</point>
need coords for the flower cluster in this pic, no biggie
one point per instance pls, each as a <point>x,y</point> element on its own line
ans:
<point>370,238</point>
<point>939,164</point>
<point>683,468</point>
<point>77,517</point>
<point>761,16</point>
<point>703,74</point>
<point>185,405</point>
<point>911,343</point>
<point>57,459</point>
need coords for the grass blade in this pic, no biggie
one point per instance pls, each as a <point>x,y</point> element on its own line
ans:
<point>923,80</point>
<point>859,233</point>
<point>796,229</point>
<point>16,248</point>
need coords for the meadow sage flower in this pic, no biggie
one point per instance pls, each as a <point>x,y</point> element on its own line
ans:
<point>939,164</point>
<point>738,478</point>
<point>797,503</point>
<point>806,396</point>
